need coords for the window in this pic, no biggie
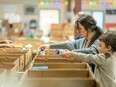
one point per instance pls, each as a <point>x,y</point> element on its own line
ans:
<point>99,17</point>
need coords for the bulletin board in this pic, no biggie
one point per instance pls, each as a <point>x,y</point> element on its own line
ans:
<point>30,9</point>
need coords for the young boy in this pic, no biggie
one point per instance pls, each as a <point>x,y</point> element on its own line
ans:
<point>105,61</point>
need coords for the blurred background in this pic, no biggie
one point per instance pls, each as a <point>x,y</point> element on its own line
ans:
<point>52,20</point>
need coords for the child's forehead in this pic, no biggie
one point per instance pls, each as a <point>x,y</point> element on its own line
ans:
<point>101,42</point>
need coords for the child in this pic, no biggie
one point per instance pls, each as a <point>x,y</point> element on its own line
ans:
<point>105,61</point>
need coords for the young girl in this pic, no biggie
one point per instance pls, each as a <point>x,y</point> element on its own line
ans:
<point>105,61</point>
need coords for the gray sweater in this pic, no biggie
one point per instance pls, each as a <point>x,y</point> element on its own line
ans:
<point>77,46</point>
<point>105,70</point>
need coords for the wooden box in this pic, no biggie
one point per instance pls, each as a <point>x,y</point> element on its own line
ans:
<point>20,56</point>
<point>12,60</point>
<point>37,66</point>
<point>60,73</point>
<point>58,78</point>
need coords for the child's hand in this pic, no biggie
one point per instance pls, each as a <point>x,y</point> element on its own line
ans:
<point>67,54</point>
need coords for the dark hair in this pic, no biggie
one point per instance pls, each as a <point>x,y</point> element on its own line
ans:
<point>89,23</point>
<point>109,38</point>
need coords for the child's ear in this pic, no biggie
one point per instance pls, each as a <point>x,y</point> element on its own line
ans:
<point>109,48</point>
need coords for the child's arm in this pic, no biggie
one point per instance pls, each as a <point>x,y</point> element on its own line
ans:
<point>95,59</point>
